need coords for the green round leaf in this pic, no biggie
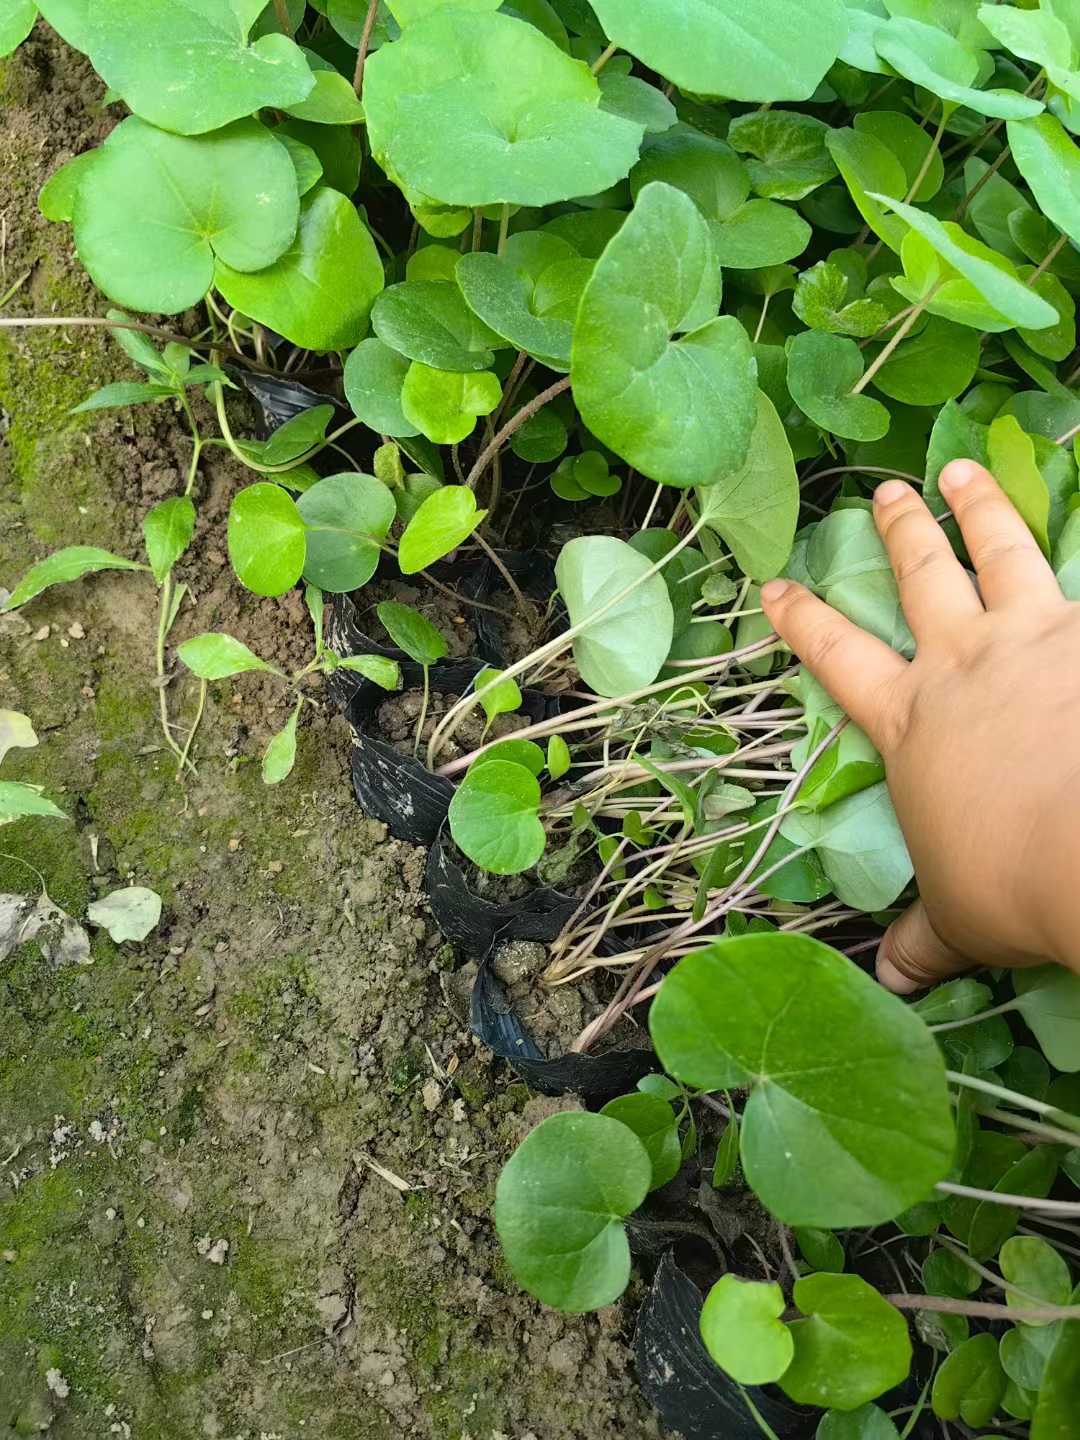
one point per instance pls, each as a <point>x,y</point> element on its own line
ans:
<point>1024,1351</point>
<point>660,380</point>
<point>478,109</point>
<point>852,1347</point>
<point>145,49</point>
<point>443,522</point>
<point>428,321</point>
<point>345,515</point>
<point>1059,1393</point>
<point>724,47</point>
<point>622,650</point>
<point>755,509</point>
<point>374,377</point>
<point>320,292</point>
<point>57,198</point>
<point>154,209</point>
<point>1036,1267</point>
<point>332,102</point>
<point>216,656</point>
<point>928,56</point>
<point>970,1384</point>
<point>847,1124</point>
<point>267,542</point>
<point>412,632</point>
<point>866,1423</point>
<point>702,167</point>
<point>516,752</point>
<point>790,157</point>
<point>1049,1000</point>
<point>822,370</point>
<point>820,1249</point>
<point>934,366</point>
<point>529,296</point>
<point>493,818</point>
<point>741,1327</point>
<point>760,233</point>
<point>860,846</point>
<point>559,1207</point>
<point>543,437</point>
<point>445,404</point>
<point>16,21</point>
<point>653,1122</point>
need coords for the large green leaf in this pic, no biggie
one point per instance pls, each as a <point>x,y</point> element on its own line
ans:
<point>346,516</point>
<point>622,650</point>
<point>931,57</point>
<point>851,1348</point>
<point>971,1383</point>
<point>1039,35</point>
<point>429,321</point>
<point>16,21</point>
<point>868,1422</point>
<point>726,47</point>
<point>145,49</point>
<point>445,404</point>
<point>1047,158</point>
<point>1049,1000</point>
<point>822,371</point>
<point>155,209</point>
<point>990,274</point>
<point>848,1122</point>
<point>934,366</point>
<point>374,378</point>
<point>319,294</point>
<point>480,109</point>
<point>530,295</point>
<point>790,157</point>
<point>62,566</point>
<point>742,1330</point>
<point>755,509</point>
<point>559,1207</point>
<point>493,817</point>
<point>860,846</point>
<point>1059,1394</point>
<point>657,377</point>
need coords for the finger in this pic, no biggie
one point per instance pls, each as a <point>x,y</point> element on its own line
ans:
<point>913,955</point>
<point>860,672</point>
<point>934,589</point>
<point>1013,572</point>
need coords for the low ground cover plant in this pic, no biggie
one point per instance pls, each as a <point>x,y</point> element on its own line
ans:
<point>685,280</point>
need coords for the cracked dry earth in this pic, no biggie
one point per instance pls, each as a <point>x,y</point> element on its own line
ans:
<point>248,1165</point>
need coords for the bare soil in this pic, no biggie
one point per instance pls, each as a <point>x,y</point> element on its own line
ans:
<point>248,1165</point>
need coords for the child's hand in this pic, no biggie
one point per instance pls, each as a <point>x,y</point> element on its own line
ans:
<point>980,732</point>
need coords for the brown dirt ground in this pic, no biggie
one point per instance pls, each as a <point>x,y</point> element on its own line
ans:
<point>262,1067</point>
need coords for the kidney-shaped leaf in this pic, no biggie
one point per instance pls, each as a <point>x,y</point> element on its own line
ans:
<point>1049,1000</point>
<point>656,376</point>
<point>652,1120</point>
<point>851,1348</point>
<point>726,47</point>
<point>623,648</point>
<point>822,371</point>
<point>320,292</point>
<point>346,516</point>
<point>971,1383</point>
<point>144,50</point>
<point>154,209</point>
<point>493,818</point>
<point>429,321</point>
<point>443,521</point>
<point>267,543</point>
<point>848,1122</point>
<point>559,1207</point>
<point>530,295</point>
<point>742,1330</point>
<point>445,404</point>
<point>755,509</point>
<point>860,845</point>
<point>481,109</point>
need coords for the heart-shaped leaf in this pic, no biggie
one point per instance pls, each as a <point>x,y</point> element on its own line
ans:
<point>559,1207</point>
<point>723,47</point>
<point>429,321</point>
<point>445,404</point>
<point>320,292</point>
<point>790,157</point>
<point>656,377</point>
<point>653,1121</point>
<point>346,516</point>
<point>822,371</point>
<point>530,295</point>
<point>482,109</point>
<point>443,522</point>
<point>144,50</point>
<point>847,1124</point>
<point>932,367</point>
<point>851,1348</point>
<point>374,378</point>
<point>623,649</point>
<point>155,209</point>
<point>267,540</point>
<point>742,1330</point>
<point>860,845</point>
<point>971,1383</point>
<point>493,818</point>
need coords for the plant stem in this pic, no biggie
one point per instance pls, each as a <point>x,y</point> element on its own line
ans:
<point>1014,1097</point>
<point>982,1308</point>
<point>522,603</point>
<point>895,341</point>
<point>193,468</point>
<point>929,160</point>
<point>602,60</point>
<point>1048,261</point>
<point>163,706</point>
<point>230,441</point>
<point>761,321</point>
<point>504,224</point>
<point>477,228</point>
<point>423,712</point>
<point>194,727</point>
<point>958,213</point>
<point>1019,1202</point>
<point>525,413</point>
<point>281,10</point>
<point>365,42</point>
<point>974,1019</point>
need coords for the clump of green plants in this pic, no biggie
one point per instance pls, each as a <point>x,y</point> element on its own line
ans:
<point>669,286</point>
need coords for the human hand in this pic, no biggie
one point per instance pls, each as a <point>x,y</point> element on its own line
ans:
<point>980,733</point>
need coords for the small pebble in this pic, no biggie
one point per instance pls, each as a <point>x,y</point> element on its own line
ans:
<point>76,631</point>
<point>275,867</point>
<point>43,633</point>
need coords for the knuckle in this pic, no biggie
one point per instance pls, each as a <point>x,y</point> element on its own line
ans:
<point>925,562</point>
<point>822,645</point>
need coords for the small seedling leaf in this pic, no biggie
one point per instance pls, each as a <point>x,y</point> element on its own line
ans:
<point>214,656</point>
<point>280,756</point>
<point>493,818</point>
<point>412,632</point>
<point>443,522</point>
<point>502,700</point>
<point>376,668</point>
<point>653,1122</point>
<point>167,530</point>
<point>64,566</point>
<point>558,757</point>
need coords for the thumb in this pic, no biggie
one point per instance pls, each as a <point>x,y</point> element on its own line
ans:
<point>913,955</point>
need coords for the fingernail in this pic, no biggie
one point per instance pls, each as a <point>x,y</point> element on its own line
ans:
<point>890,492</point>
<point>774,589</point>
<point>958,473</point>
